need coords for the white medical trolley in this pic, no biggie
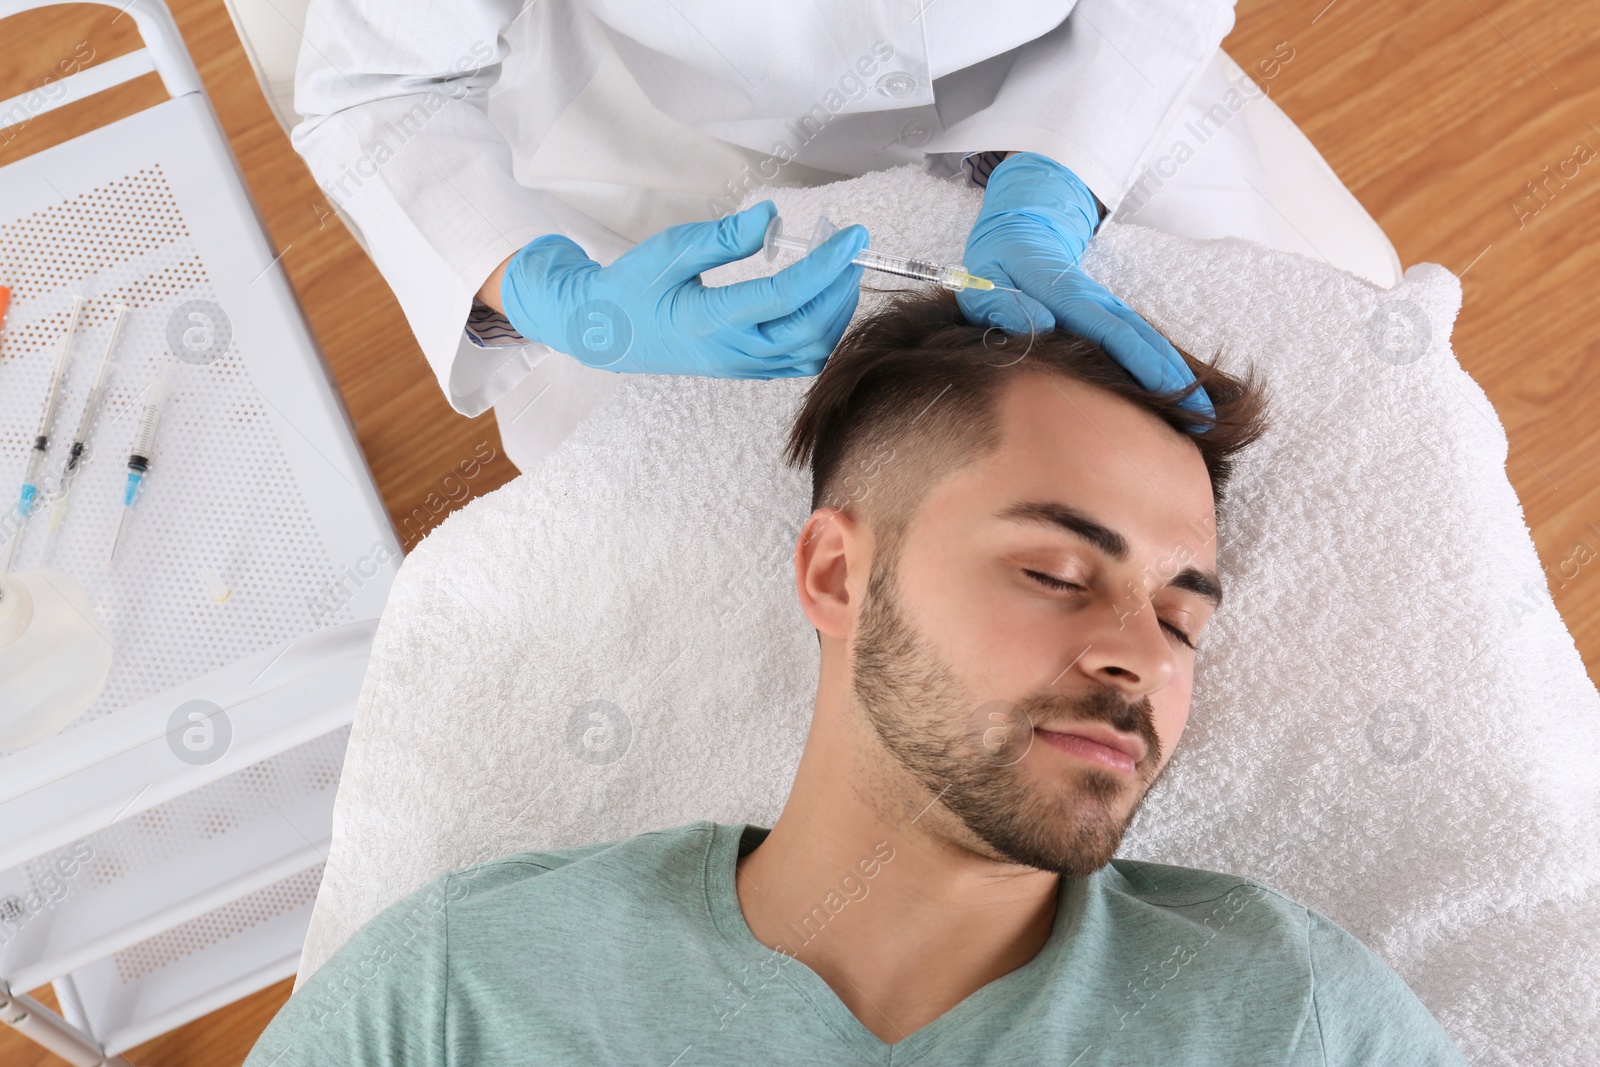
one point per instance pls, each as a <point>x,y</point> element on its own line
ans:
<point>150,878</point>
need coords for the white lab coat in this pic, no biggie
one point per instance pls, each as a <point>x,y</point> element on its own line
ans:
<point>452,133</point>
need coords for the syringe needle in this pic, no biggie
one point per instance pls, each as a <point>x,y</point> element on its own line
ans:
<point>11,548</point>
<point>116,538</point>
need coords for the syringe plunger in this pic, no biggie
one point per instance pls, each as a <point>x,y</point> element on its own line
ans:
<point>144,439</point>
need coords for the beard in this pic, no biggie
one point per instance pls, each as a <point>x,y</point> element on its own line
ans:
<point>970,755</point>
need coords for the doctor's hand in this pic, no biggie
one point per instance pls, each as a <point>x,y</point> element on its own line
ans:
<point>1036,220</point>
<point>647,311</point>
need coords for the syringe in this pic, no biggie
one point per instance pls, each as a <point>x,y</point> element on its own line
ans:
<point>80,440</point>
<point>139,459</point>
<point>41,440</point>
<point>951,277</point>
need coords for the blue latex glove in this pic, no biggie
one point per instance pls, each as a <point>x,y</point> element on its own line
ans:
<point>1036,220</point>
<point>647,312</point>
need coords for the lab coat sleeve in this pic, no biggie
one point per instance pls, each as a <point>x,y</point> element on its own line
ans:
<point>1096,92</point>
<point>392,95</point>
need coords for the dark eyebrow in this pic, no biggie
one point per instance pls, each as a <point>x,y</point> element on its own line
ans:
<point>1204,584</point>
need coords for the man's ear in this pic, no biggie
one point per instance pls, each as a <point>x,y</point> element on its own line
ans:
<point>828,543</point>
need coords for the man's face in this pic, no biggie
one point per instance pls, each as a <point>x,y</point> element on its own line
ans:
<point>972,657</point>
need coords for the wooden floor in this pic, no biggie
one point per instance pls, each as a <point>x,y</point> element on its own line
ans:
<point>1437,114</point>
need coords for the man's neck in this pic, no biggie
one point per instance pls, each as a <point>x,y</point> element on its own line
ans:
<point>902,926</point>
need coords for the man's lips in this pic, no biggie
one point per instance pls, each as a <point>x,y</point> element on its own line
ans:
<point>1098,744</point>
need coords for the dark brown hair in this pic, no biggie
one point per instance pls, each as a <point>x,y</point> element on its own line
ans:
<point>911,388</point>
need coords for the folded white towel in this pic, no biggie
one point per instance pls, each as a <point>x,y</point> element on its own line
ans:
<point>1391,723</point>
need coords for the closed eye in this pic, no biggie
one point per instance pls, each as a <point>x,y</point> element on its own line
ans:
<point>1052,582</point>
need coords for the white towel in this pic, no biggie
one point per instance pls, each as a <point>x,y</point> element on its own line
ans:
<point>1391,723</point>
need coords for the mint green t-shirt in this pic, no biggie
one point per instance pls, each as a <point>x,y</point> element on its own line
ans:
<point>637,952</point>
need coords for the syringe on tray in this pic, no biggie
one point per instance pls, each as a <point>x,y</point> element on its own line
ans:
<point>41,440</point>
<point>139,457</point>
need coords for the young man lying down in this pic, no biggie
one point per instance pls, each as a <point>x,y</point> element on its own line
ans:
<point>1010,561</point>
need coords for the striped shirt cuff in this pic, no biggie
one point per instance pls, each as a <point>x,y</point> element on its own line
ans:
<point>979,165</point>
<point>488,328</point>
